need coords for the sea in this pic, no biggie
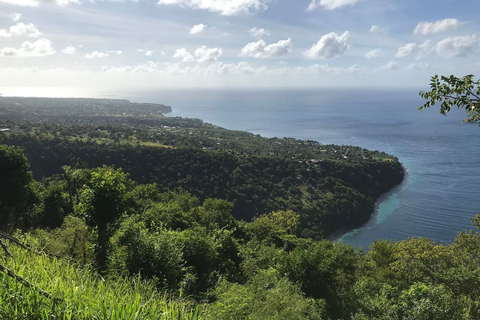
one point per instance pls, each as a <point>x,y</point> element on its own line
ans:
<point>441,154</point>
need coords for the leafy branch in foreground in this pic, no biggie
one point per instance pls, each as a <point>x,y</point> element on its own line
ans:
<point>453,91</point>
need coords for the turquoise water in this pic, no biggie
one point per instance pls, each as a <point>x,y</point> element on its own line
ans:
<point>441,191</point>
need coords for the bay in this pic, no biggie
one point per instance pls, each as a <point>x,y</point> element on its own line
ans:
<point>441,191</point>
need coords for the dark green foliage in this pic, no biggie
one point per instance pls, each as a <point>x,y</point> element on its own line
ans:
<point>323,270</point>
<point>152,254</point>
<point>450,91</point>
<point>54,208</point>
<point>201,258</point>
<point>102,203</point>
<point>265,296</point>
<point>17,193</point>
<point>217,214</point>
<point>73,240</point>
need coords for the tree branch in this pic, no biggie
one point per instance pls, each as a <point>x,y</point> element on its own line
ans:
<point>8,253</point>
<point>15,276</point>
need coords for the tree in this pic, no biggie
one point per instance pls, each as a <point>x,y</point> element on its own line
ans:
<point>453,91</point>
<point>16,185</point>
<point>102,202</point>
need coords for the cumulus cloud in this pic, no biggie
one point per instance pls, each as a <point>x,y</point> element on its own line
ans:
<point>329,46</point>
<point>70,50</point>
<point>245,68</point>
<point>21,29</point>
<point>457,46</point>
<point>116,52</point>
<point>372,53</point>
<point>15,16</point>
<point>259,33</point>
<point>183,54</point>
<point>39,48</point>
<point>391,65</point>
<point>149,67</point>
<point>260,49</point>
<point>198,28</point>
<point>425,49</point>
<point>421,66</point>
<point>96,55</point>
<point>148,53</point>
<point>428,28</point>
<point>406,50</point>
<point>377,30</point>
<point>330,4</point>
<point>202,54</point>
<point>213,68</point>
<point>419,50</point>
<point>224,7</point>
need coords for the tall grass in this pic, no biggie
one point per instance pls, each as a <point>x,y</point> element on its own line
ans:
<point>82,294</point>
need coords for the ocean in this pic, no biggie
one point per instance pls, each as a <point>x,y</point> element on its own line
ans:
<point>441,190</point>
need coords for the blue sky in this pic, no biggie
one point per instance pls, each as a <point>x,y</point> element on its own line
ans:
<point>88,46</point>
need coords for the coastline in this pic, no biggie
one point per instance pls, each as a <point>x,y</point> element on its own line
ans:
<point>378,216</point>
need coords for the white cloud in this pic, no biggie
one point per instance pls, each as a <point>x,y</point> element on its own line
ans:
<point>149,53</point>
<point>377,30</point>
<point>428,28</point>
<point>224,7</point>
<point>259,33</point>
<point>21,29</point>
<point>96,55</point>
<point>214,68</point>
<point>425,49</point>
<point>39,48</point>
<point>70,50</point>
<point>329,46</point>
<point>260,49</point>
<point>204,54</point>
<point>198,28</point>
<point>243,68</point>
<point>391,65</point>
<point>406,50</point>
<point>421,66</point>
<point>183,54</point>
<point>327,69</point>
<point>330,4</point>
<point>15,16</point>
<point>24,3</point>
<point>372,53</point>
<point>116,52</point>
<point>457,46</point>
<point>149,67</point>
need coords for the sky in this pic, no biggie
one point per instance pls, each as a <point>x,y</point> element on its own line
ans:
<point>80,47</point>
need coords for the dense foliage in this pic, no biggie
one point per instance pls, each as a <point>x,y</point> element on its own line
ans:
<point>170,248</point>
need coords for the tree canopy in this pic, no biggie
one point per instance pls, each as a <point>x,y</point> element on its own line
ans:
<point>452,91</point>
<point>16,184</point>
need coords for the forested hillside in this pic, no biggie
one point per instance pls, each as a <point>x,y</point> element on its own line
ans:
<point>331,187</point>
<point>91,243</point>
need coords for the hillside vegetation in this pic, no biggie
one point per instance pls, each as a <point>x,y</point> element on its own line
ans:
<point>331,187</point>
<point>97,244</point>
